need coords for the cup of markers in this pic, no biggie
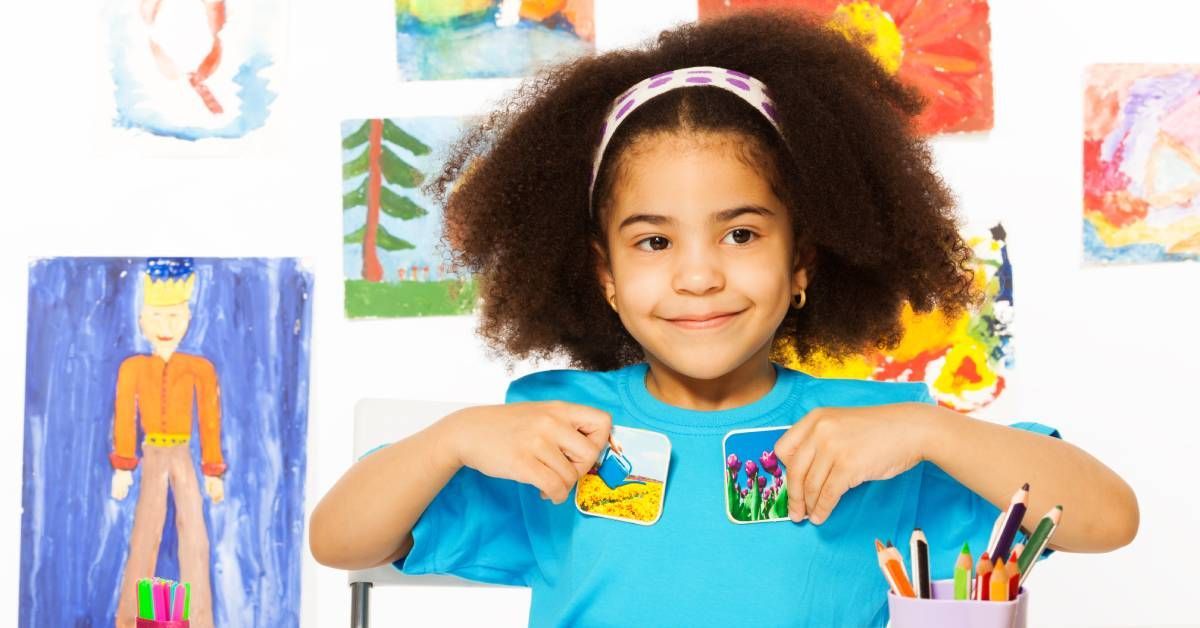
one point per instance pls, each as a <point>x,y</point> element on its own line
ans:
<point>991,594</point>
<point>163,603</point>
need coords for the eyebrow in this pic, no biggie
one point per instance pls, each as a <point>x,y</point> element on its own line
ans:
<point>724,215</point>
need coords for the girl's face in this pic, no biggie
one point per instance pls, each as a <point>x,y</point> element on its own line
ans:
<point>700,255</point>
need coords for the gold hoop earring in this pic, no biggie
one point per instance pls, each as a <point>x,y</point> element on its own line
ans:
<point>803,300</point>
<point>612,302</point>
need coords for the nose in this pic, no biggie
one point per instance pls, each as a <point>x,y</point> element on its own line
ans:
<point>697,271</point>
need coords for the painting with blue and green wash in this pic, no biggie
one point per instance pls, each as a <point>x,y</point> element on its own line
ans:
<point>455,39</point>
<point>192,70</point>
<point>396,263</point>
<point>88,320</point>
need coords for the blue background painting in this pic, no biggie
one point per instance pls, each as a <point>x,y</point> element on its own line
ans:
<point>251,318</point>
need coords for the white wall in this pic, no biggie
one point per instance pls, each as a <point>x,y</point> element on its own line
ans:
<point>1107,355</point>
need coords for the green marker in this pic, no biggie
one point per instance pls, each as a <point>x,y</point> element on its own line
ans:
<point>962,574</point>
<point>145,599</point>
<point>187,600</point>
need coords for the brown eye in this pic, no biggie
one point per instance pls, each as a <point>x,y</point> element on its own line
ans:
<point>656,243</point>
<point>741,236</point>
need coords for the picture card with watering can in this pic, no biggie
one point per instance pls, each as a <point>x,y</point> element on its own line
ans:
<point>627,482</point>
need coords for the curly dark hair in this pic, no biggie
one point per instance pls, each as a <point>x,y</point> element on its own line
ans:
<point>874,224</point>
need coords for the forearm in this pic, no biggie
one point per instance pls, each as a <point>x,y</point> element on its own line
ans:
<point>1100,511</point>
<point>366,519</point>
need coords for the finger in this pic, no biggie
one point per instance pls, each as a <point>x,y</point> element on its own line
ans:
<point>831,493</point>
<point>595,424</point>
<point>580,451</point>
<point>795,436</point>
<point>814,480</point>
<point>796,469</point>
<point>544,478</point>
<point>564,471</point>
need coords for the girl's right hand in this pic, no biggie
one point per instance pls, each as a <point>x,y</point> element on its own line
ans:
<point>548,444</point>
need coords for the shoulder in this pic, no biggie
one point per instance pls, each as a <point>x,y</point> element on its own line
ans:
<point>836,391</point>
<point>133,364</point>
<point>197,364</point>
<point>565,384</point>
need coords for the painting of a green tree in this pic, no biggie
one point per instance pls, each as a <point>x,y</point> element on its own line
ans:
<point>391,232</point>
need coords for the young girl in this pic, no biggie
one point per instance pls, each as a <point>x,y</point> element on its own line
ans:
<point>758,186</point>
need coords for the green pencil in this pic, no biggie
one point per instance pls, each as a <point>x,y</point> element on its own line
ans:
<point>145,599</point>
<point>1038,540</point>
<point>187,600</point>
<point>962,574</point>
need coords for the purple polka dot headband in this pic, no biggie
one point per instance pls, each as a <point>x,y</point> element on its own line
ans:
<point>746,87</point>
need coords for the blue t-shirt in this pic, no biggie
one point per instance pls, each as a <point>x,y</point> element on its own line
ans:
<point>695,567</point>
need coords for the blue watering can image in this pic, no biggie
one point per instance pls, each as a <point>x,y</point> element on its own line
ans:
<point>614,470</point>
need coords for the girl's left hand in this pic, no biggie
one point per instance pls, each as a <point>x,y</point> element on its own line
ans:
<point>832,450</point>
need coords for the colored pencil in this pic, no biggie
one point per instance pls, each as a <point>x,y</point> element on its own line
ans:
<point>1014,576</point>
<point>1012,522</point>
<point>177,602</point>
<point>998,591</point>
<point>919,551</point>
<point>962,574</point>
<point>160,601</point>
<point>145,599</point>
<point>1038,541</point>
<point>983,574</point>
<point>902,581</point>
<point>1019,549</point>
<point>187,600</point>
<point>893,570</point>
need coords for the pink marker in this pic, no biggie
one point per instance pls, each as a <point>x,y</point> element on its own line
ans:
<point>177,608</point>
<point>160,601</point>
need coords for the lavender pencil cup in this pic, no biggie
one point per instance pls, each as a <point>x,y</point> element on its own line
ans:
<point>943,611</point>
<point>154,623</point>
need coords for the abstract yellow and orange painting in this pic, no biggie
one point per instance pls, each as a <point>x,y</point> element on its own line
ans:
<point>940,47</point>
<point>965,361</point>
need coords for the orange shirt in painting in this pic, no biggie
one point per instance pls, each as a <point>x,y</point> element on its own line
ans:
<point>162,394</point>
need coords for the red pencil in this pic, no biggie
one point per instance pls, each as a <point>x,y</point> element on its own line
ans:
<point>983,577</point>
<point>1014,576</point>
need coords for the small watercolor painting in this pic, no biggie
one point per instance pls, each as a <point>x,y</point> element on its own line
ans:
<point>457,39</point>
<point>1141,164</point>
<point>966,361</point>
<point>940,47</point>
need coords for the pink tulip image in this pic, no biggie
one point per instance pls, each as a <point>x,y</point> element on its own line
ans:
<point>762,481</point>
<point>732,462</point>
<point>769,462</point>
<point>751,468</point>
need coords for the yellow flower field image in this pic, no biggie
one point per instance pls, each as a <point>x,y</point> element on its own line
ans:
<point>640,502</point>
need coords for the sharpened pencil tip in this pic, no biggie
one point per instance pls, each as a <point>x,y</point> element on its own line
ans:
<point>1026,487</point>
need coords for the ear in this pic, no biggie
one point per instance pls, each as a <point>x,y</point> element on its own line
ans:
<point>802,259</point>
<point>604,273</point>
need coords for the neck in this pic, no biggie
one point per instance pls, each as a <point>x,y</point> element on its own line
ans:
<point>745,384</point>
<point>164,352</point>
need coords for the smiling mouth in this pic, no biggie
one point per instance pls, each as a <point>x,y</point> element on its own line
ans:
<point>706,322</point>
<point>166,338</point>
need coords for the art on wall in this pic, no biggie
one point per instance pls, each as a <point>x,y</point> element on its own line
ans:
<point>165,431</point>
<point>940,47</point>
<point>965,361</point>
<point>395,263</point>
<point>191,70</point>
<point>455,39</point>
<point>1141,163</point>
